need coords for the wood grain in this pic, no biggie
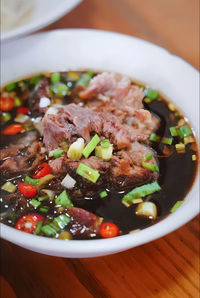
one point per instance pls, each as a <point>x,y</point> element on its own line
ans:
<point>168,267</point>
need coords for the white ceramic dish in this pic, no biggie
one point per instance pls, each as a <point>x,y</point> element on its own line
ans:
<point>44,13</point>
<point>99,50</point>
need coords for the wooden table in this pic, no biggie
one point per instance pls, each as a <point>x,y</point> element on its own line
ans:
<point>168,267</point>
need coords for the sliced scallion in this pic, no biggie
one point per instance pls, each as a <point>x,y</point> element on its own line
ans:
<point>55,77</point>
<point>9,187</point>
<point>167,141</point>
<point>154,137</point>
<point>60,89</point>
<point>151,94</point>
<point>150,166</point>
<point>91,146</point>
<point>180,148</point>
<point>58,153</point>
<point>17,102</point>
<point>40,199</point>
<point>35,203</point>
<point>87,173</point>
<point>35,80</point>
<point>48,230</point>
<point>85,78</point>
<point>176,206</point>
<point>105,143</point>
<point>38,227</point>
<point>103,194</point>
<point>44,209</point>
<point>104,153</point>
<point>10,87</point>
<point>76,149</point>
<point>173,131</point>
<point>64,200</point>
<point>147,209</point>
<point>32,181</point>
<point>142,191</point>
<point>184,131</point>
<point>5,117</point>
<point>194,157</point>
<point>61,221</point>
<point>148,157</point>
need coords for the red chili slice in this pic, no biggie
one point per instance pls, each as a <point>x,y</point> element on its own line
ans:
<point>23,110</point>
<point>108,230</point>
<point>13,129</point>
<point>28,190</point>
<point>28,223</point>
<point>6,104</point>
<point>42,170</point>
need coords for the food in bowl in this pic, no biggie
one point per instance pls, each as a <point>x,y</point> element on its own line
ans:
<point>88,155</point>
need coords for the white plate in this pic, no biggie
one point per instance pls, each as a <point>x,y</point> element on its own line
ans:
<point>79,49</point>
<point>44,13</point>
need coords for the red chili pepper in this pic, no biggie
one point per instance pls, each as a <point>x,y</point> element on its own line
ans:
<point>13,129</point>
<point>6,104</point>
<point>108,230</point>
<point>28,223</point>
<point>28,190</point>
<point>42,170</point>
<point>23,110</point>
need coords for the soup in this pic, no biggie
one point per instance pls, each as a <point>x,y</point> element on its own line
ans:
<point>89,155</point>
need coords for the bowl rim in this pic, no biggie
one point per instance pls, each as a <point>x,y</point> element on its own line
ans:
<point>99,247</point>
<point>32,26</point>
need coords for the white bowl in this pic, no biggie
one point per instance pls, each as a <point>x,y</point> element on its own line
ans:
<point>82,49</point>
<point>44,13</point>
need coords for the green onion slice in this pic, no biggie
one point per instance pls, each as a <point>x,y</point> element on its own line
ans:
<point>64,200</point>
<point>103,194</point>
<point>55,77</point>
<point>154,137</point>
<point>44,209</point>
<point>35,203</point>
<point>91,146</point>
<point>85,78</point>
<point>32,181</point>
<point>35,80</point>
<point>176,206</point>
<point>184,131</point>
<point>142,191</point>
<point>152,94</point>
<point>173,131</point>
<point>60,89</point>
<point>105,143</point>
<point>87,173</point>
<point>61,221</point>
<point>167,141</point>
<point>58,153</point>
<point>150,166</point>
<point>38,227</point>
<point>48,230</point>
<point>10,87</point>
<point>148,157</point>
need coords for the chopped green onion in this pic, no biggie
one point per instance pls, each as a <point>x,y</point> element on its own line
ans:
<point>44,209</point>
<point>12,217</point>
<point>142,191</point>
<point>32,181</point>
<point>151,94</point>
<point>5,117</point>
<point>194,157</point>
<point>10,87</point>
<point>176,206</point>
<point>17,102</point>
<point>40,199</point>
<point>55,77</point>
<point>167,141</point>
<point>2,214</point>
<point>180,148</point>
<point>9,187</point>
<point>38,227</point>
<point>134,201</point>
<point>148,157</point>
<point>50,193</point>
<point>61,221</point>
<point>48,230</point>
<point>154,137</point>
<point>58,153</point>
<point>85,78</point>
<point>147,209</point>
<point>87,173</point>
<point>184,131</point>
<point>173,131</point>
<point>64,145</point>
<point>171,107</point>
<point>103,194</point>
<point>60,89</point>
<point>35,203</point>
<point>72,75</point>
<point>104,153</point>
<point>105,143</point>
<point>76,149</point>
<point>150,166</point>
<point>35,80</point>
<point>65,235</point>
<point>64,200</point>
<point>44,180</point>
<point>91,146</point>
<point>188,140</point>
<point>176,114</point>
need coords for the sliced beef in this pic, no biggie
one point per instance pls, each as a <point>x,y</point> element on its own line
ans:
<point>74,121</point>
<point>84,224</point>
<point>42,90</point>
<point>23,156</point>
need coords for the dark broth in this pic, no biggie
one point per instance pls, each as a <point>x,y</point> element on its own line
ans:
<point>176,174</point>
